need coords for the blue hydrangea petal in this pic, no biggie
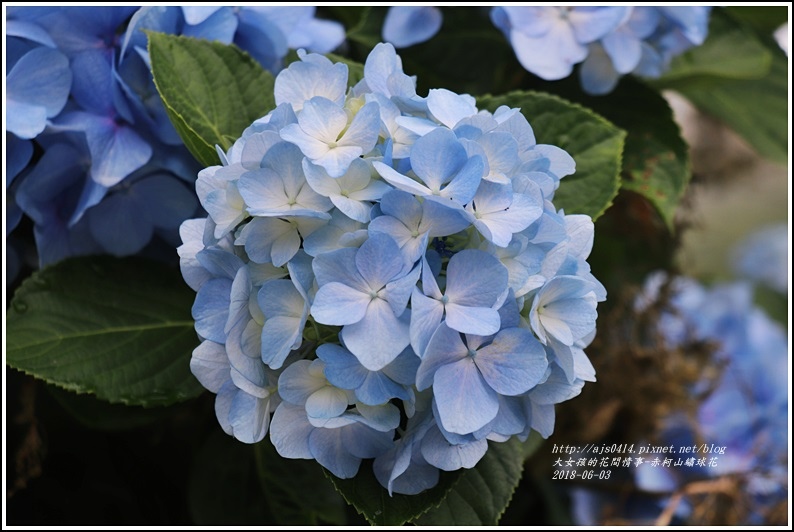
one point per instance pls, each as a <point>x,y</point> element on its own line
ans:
<point>451,457</point>
<point>267,193</point>
<point>253,148</point>
<point>426,315</point>
<point>401,234</point>
<point>542,418</point>
<point>78,28</point>
<point>351,192</point>
<point>399,291</point>
<point>55,176</point>
<point>329,449</point>
<point>18,154</point>
<point>403,368</point>
<point>563,355</point>
<point>339,304</point>
<point>30,102</point>
<point>198,14</point>
<point>28,30</point>
<point>285,317</point>
<point>327,402</point>
<point>534,21</point>
<point>210,365</point>
<point>383,73</point>
<point>211,309</point>
<point>402,182</point>
<point>378,337</point>
<point>401,205</point>
<point>436,157</point>
<point>624,49</point>
<point>592,23</point>
<point>382,416</point>
<point>249,417</point>
<point>363,129</point>
<point>498,213</point>
<point>560,52</point>
<point>116,224</point>
<point>248,374</point>
<point>379,260</point>
<point>300,380</point>
<point>93,83</point>
<point>555,389</point>
<point>317,35</point>
<point>219,262</point>
<point>513,362</point>
<point>269,240</point>
<point>290,430</point>
<point>465,402</point>
<point>223,404</point>
<point>116,151</point>
<point>450,108</point>
<point>598,74</point>
<point>408,25</point>
<point>481,321</point>
<point>342,369</point>
<point>339,266</point>
<point>221,25</point>
<point>378,389</point>
<point>566,318</point>
<point>475,278</point>
<point>164,19</point>
<point>404,470</point>
<point>320,124</point>
<point>304,80</point>
<point>510,420</point>
<point>445,347</point>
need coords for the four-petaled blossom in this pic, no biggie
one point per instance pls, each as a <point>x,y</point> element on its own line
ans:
<point>467,374</point>
<point>367,291</point>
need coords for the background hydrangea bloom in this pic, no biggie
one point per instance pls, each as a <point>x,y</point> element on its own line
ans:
<point>378,287</point>
<point>745,412</point>
<point>123,174</point>
<point>763,257</point>
<point>549,41</point>
<point>608,41</point>
<point>409,25</point>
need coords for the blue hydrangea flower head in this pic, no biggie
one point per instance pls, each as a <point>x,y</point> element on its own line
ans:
<point>395,264</point>
<point>608,42</point>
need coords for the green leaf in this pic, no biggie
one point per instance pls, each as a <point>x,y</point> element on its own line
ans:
<point>764,19</point>
<point>372,501</point>
<point>211,91</point>
<point>119,329</point>
<point>478,495</point>
<point>481,495</point>
<point>349,16</point>
<point>731,51</point>
<point>101,415</point>
<point>286,483</point>
<point>595,144</point>
<point>368,29</point>
<point>534,442</point>
<point>656,158</point>
<point>756,109</point>
<point>739,76</point>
